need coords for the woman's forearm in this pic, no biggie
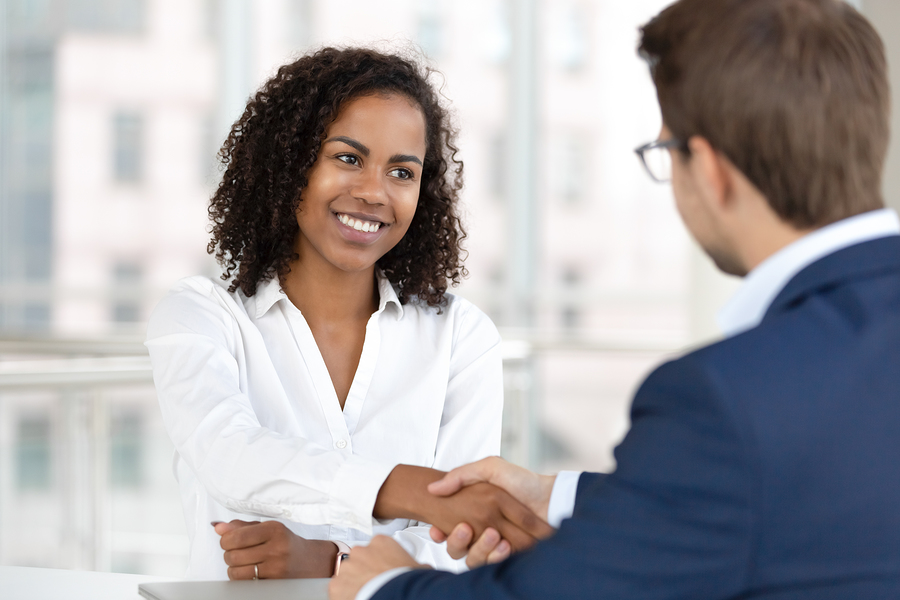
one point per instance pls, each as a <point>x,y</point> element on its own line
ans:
<point>404,494</point>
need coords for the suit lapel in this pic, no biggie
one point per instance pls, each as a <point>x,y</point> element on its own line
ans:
<point>868,259</point>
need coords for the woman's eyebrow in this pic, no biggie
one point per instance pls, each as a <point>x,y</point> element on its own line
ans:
<point>405,158</point>
<point>350,142</point>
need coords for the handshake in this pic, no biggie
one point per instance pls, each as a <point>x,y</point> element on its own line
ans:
<point>484,510</point>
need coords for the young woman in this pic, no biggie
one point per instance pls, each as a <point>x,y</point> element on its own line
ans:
<point>333,353</point>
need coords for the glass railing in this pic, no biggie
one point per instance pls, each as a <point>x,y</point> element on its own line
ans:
<point>85,462</point>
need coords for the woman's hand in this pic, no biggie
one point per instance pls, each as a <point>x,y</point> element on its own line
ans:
<point>404,494</point>
<point>274,550</point>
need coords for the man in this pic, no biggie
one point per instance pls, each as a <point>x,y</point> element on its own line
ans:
<point>766,465</point>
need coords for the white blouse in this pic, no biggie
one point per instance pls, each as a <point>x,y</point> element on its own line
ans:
<point>258,430</point>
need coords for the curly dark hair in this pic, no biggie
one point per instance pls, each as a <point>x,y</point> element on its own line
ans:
<point>271,148</point>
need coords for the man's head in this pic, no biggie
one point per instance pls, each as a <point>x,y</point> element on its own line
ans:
<point>793,93</point>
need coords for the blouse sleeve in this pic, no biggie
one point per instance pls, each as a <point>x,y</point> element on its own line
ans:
<point>471,421</point>
<point>473,409</point>
<point>195,345</point>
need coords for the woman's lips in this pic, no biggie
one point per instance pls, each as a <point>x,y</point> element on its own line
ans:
<point>358,224</point>
<point>358,230</point>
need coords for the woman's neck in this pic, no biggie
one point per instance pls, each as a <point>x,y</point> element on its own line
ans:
<point>326,294</point>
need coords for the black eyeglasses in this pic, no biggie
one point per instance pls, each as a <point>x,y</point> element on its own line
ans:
<point>657,159</point>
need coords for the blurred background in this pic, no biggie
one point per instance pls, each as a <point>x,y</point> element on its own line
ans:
<point>111,113</point>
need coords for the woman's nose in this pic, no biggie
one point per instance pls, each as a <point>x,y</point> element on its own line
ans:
<point>369,187</point>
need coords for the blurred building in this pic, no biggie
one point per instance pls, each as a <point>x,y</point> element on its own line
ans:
<point>111,112</point>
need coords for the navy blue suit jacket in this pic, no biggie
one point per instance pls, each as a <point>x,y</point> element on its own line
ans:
<point>763,466</point>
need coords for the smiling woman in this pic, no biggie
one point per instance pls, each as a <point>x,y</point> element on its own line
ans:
<point>332,378</point>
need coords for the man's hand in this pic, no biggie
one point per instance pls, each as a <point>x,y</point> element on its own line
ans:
<point>275,551</point>
<point>480,504</point>
<point>490,547</point>
<point>365,562</point>
<point>529,488</point>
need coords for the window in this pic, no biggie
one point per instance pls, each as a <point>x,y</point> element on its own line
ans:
<point>36,317</point>
<point>210,20</point>
<point>33,453</point>
<point>430,32</point>
<point>570,307</point>
<point>128,152</point>
<point>572,165</point>
<point>26,173</point>
<point>208,144</point>
<point>126,450</point>
<point>568,37</point>
<point>105,16</point>
<point>497,164</point>
<point>299,23</point>
<point>498,35</point>
<point>126,292</point>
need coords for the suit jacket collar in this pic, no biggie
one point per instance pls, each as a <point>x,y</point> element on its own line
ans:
<point>860,261</point>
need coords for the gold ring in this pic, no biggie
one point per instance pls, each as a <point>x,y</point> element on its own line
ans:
<point>255,571</point>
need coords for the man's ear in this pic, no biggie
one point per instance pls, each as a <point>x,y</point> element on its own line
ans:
<point>711,173</point>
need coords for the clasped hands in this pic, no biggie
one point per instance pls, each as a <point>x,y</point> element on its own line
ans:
<point>521,489</point>
<point>484,510</point>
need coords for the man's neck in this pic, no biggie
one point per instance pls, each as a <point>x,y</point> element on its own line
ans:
<point>762,242</point>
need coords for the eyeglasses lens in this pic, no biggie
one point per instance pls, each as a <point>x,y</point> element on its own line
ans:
<point>659,163</point>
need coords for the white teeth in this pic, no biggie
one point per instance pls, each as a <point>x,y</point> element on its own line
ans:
<point>358,224</point>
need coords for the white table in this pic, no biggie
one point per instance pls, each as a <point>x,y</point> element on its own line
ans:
<point>27,583</point>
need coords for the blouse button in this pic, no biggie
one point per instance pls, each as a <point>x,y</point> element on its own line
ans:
<point>341,444</point>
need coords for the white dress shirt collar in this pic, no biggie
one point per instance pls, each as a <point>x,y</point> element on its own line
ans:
<point>748,306</point>
<point>269,292</point>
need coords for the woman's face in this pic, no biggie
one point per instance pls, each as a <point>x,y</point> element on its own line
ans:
<point>364,186</point>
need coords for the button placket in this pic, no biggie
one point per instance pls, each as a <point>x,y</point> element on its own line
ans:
<point>327,396</point>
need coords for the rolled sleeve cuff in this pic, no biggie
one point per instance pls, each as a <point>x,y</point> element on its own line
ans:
<point>360,480</point>
<point>562,498</point>
<point>379,581</point>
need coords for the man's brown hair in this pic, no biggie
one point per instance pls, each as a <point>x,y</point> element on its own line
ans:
<point>793,92</point>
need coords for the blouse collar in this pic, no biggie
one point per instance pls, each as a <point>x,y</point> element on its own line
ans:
<point>269,292</point>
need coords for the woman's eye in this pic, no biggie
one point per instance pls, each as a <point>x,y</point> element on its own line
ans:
<point>402,173</point>
<point>350,159</point>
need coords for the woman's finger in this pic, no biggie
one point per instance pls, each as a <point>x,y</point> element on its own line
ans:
<point>253,534</point>
<point>246,556</point>
<point>223,528</point>
<point>245,572</point>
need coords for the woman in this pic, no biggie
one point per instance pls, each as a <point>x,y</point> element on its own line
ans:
<point>334,354</point>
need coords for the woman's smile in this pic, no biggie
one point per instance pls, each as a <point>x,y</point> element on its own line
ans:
<point>360,224</point>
